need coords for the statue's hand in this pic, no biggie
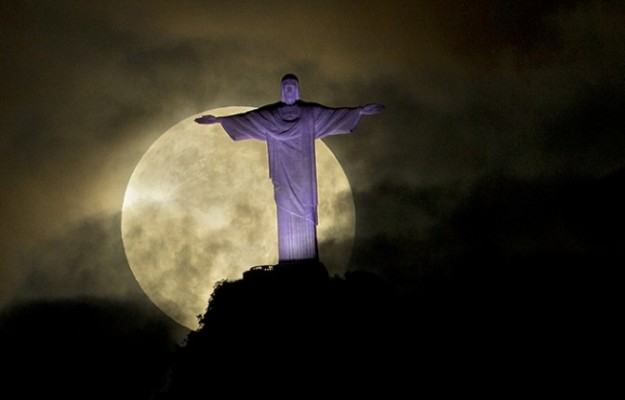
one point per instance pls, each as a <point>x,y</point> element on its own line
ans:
<point>371,109</point>
<point>207,119</point>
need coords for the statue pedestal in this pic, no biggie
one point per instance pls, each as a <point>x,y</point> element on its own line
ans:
<point>289,270</point>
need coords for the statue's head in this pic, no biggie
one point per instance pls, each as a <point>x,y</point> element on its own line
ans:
<point>290,89</point>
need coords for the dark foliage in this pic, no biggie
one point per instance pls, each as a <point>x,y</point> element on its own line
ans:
<point>291,324</point>
<point>274,332</point>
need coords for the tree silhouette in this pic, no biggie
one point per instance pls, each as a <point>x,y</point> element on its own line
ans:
<point>292,323</point>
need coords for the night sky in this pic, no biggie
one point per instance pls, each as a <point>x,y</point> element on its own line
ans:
<point>503,134</point>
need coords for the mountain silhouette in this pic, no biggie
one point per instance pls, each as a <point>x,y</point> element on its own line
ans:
<point>294,326</point>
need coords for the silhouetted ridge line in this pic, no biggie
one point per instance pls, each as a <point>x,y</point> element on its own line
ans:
<point>289,270</point>
<point>281,321</point>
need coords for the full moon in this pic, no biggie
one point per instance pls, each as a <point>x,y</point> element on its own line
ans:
<point>199,209</point>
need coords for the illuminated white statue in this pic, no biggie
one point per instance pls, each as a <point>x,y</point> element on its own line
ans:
<point>290,128</point>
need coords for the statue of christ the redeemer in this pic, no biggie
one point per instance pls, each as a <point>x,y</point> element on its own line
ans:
<point>290,128</point>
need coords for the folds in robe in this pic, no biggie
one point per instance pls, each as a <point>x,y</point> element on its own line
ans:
<point>290,133</point>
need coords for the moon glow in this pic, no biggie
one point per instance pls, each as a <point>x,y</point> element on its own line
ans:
<point>199,208</point>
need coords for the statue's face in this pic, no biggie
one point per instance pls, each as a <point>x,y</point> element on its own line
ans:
<point>290,91</point>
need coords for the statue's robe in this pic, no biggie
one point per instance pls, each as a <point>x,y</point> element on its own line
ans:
<point>290,133</point>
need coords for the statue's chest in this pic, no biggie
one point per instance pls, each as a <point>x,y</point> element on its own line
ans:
<point>290,113</point>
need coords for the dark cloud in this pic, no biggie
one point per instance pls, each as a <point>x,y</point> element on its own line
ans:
<point>534,230</point>
<point>482,29</point>
<point>86,259</point>
<point>587,136</point>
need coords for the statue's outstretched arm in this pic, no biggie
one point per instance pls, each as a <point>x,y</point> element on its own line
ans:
<point>208,119</point>
<point>371,109</point>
